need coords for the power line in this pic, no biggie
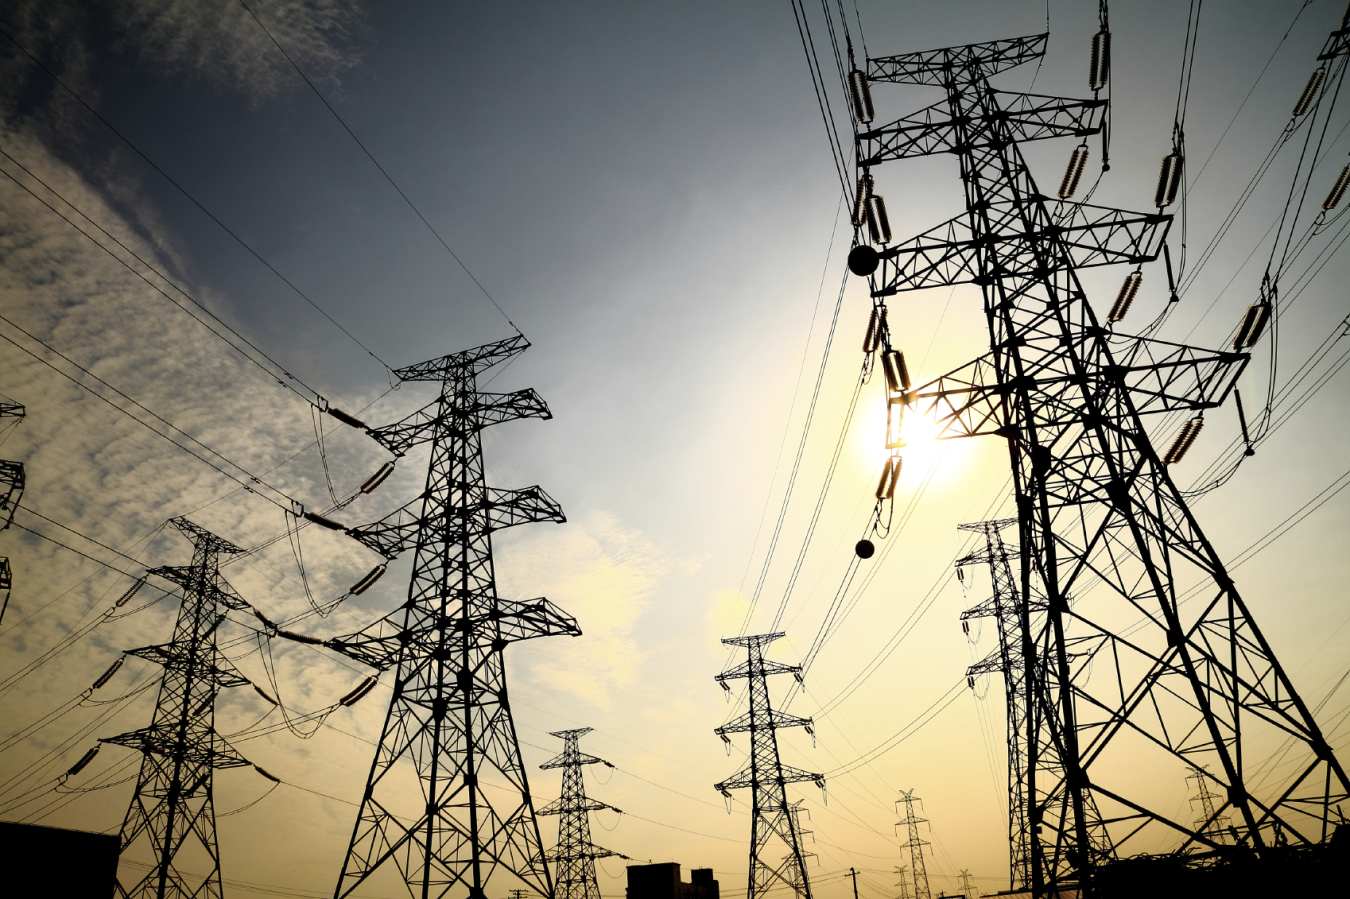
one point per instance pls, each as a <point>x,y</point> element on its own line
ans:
<point>239,240</point>
<point>372,158</point>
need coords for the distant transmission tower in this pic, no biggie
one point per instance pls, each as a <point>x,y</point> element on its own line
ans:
<point>765,774</point>
<point>173,809</point>
<point>1210,822</point>
<point>1133,680</point>
<point>447,803</point>
<point>968,885</point>
<point>11,489</point>
<point>915,845</point>
<point>575,854</point>
<point>795,810</point>
<point>1015,658</point>
<point>903,882</point>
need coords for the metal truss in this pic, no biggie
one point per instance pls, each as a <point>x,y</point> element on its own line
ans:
<point>915,845</point>
<point>1016,660</point>
<point>173,808</point>
<point>447,803</point>
<point>11,482</point>
<point>1149,659</point>
<point>575,854</point>
<point>765,775</point>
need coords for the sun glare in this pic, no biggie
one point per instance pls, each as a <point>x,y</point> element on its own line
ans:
<point>922,451</point>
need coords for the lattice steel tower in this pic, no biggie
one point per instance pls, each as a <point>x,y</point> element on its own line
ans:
<point>575,854</point>
<point>447,803</point>
<point>1135,677</point>
<point>11,489</point>
<point>1015,651</point>
<point>915,844</point>
<point>173,809</point>
<point>765,774</point>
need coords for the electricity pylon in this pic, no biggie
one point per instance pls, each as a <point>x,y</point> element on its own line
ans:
<point>765,774</point>
<point>447,803</point>
<point>575,854</point>
<point>968,884</point>
<point>173,809</point>
<point>11,484</point>
<point>915,844</point>
<point>1133,680</point>
<point>1210,821</point>
<point>903,882</point>
<point>1012,658</point>
<point>795,810</point>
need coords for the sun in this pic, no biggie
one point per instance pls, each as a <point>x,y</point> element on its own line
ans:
<point>926,457</point>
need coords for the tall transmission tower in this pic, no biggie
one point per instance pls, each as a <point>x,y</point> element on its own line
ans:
<point>173,809</point>
<point>765,774</point>
<point>968,884</point>
<point>575,854</point>
<point>1133,678</point>
<point>903,883</point>
<point>915,844</point>
<point>447,803</point>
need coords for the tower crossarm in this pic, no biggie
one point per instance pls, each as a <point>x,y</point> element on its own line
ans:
<point>760,666</point>
<point>487,409</point>
<point>935,66</point>
<point>990,664</point>
<point>931,130</point>
<point>465,364</point>
<point>563,804</point>
<point>397,532</point>
<point>508,508</point>
<point>1160,377</point>
<point>217,589</point>
<point>381,643</point>
<point>221,672</point>
<point>212,753</point>
<point>746,778</point>
<point>952,254</point>
<point>775,720</point>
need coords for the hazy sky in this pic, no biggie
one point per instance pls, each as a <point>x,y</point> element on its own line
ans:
<point>646,190</point>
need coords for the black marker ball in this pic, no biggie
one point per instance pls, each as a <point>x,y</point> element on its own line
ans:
<point>864,549</point>
<point>863,260</point>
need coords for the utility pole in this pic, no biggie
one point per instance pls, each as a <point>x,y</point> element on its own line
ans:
<point>11,489</point>
<point>575,854</point>
<point>518,894</point>
<point>449,729</point>
<point>854,873</point>
<point>765,774</point>
<point>1132,680</point>
<point>915,845</point>
<point>173,808</point>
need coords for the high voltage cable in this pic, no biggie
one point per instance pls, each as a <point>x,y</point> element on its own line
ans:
<point>145,424</point>
<point>239,240</point>
<point>372,158</point>
<point>155,286</point>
